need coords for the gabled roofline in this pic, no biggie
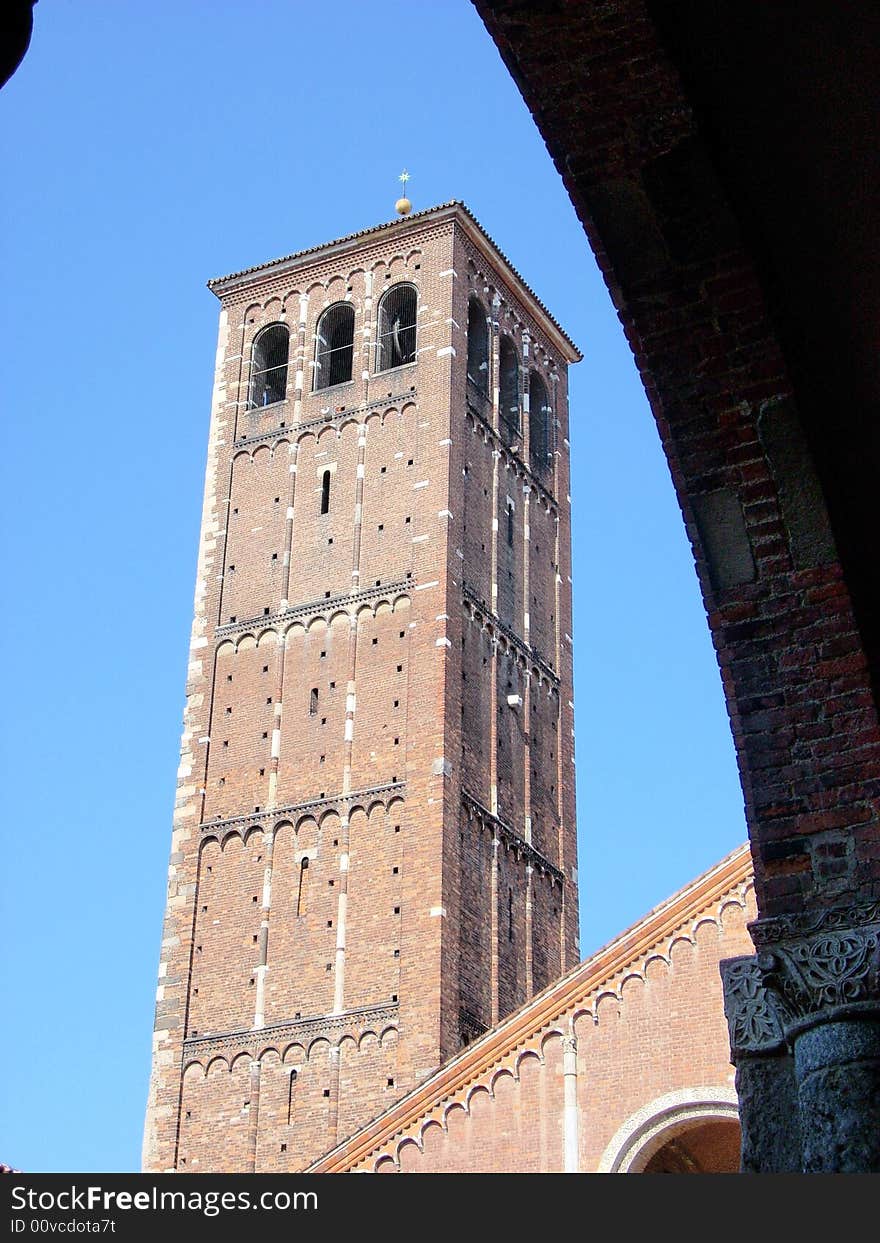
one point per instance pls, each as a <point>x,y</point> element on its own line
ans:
<point>478,1057</point>
<point>454,209</point>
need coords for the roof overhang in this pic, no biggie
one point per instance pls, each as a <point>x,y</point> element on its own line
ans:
<point>454,211</point>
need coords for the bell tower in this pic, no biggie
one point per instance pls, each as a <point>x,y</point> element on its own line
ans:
<point>373,853</point>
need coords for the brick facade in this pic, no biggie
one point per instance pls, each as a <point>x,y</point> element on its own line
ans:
<point>373,853</point>
<point>621,1066</point>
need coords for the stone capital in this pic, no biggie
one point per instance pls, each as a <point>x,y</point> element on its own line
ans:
<point>823,966</point>
<point>755,1013</point>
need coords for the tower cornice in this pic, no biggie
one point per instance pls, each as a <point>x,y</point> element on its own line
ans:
<point>454,210</point>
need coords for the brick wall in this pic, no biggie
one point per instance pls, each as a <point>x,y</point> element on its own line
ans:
<point>650,1060</point>
<point>325,944</point>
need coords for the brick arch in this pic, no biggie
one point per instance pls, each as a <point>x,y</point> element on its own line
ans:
<point>348,421</point>
<point>291,298</point>
<point>334,293</point>
<point>750,322</point>
<point>294,1055</point>
<point>734,380</point>
<point>310,435</point>
<point>647,1130</point>
<point>330,433</point>
<point>503,1072</point>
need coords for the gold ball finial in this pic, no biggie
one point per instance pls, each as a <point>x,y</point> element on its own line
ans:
<point>403,206</point>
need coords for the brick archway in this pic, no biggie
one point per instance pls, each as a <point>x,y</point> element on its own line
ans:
<point>657,1125</point>
<point>732,210</point>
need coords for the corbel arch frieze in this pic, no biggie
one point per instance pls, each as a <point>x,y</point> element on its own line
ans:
<point>485,821</point>
<point>292,1040</point>
<point>476,610</point>
<point>332,418</point>
<point>510,460</point>
<point>659,952</point>
<point>393,595</point>
<point>294,814</point>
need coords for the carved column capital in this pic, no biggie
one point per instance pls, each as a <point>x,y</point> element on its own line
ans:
<point>823,966</point>
<point>755,1013</point>
<point>805,1038</point>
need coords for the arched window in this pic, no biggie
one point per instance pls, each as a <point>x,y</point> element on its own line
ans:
<point>540,421</point>
<point>325,492</point>
<point>269,366</point>
<point>397,328</point>
<point>334,353</point>
<point>508,383</point>
<point>477,346</point>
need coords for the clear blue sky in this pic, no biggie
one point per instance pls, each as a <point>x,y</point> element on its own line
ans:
<point>146,148</point>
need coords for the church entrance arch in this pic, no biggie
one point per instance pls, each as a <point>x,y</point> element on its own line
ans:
<point>692,1131</point>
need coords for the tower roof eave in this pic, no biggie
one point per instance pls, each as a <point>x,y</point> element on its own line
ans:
<point>222,285</point>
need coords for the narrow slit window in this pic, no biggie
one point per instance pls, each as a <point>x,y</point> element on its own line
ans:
<point>313,701</point>
<point>301,888</point>
<point>291,1096</point>
<point>334,348</point>
<point>510,526</point>
<point>325,492</point>
<point>477,346</point>
<point>508,384</point>
<point>269,366</point>
<point>510,914</point>
<point>396,343</point>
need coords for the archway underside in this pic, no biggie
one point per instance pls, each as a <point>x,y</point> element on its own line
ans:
<point>707,1148</point>
<point>722,162</point>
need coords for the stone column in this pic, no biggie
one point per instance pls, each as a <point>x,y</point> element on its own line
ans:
<point>818,975</point>
<point>765,1084</point>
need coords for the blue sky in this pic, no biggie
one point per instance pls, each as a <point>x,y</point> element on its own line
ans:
<point>146,149</point>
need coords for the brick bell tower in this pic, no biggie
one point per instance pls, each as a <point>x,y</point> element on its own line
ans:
<point>373,853</point>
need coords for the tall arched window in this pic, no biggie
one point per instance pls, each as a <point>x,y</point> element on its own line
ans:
<point>477,346</point>
<point>508,383</point>
<point>334,353</point>
<point>540,416</point>
<point>269,366</point>
<point>397,328</point>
